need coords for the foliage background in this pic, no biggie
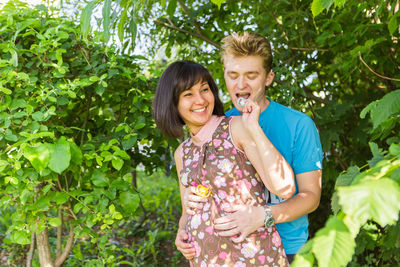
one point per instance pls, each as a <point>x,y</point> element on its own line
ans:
<point>337,61</point>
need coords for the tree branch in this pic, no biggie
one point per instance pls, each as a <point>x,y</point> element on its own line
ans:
<point>201,37</point>
<point>59,233</point>
<point>67,248</point>
<point>309,49</point>
<point>29,257</point>
<point>196,23</point>
<point>377,74</point>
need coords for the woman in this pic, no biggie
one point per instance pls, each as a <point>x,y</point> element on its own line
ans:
<point>228,158</point>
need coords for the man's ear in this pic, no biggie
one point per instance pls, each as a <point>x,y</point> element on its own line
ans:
<point>270,78</point>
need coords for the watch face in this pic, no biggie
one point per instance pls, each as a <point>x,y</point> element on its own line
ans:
<point>269,222</point>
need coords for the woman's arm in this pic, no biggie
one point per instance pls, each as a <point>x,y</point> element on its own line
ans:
<point>181,241</point>
<point>274,170</point>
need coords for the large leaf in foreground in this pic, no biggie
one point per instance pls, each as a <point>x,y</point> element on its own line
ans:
<point>333,245</point>
<point>373,199</point>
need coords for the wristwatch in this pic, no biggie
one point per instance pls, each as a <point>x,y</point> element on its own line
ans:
<point>269,219</point>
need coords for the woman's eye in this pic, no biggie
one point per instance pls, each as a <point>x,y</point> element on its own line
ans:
<point>187,94</point>
<point>205,89</point>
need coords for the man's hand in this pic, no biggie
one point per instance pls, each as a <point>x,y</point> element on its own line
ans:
<point>243,221</point>
<point>181,243</point>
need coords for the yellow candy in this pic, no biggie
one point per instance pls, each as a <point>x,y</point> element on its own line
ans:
<point>202,191</point>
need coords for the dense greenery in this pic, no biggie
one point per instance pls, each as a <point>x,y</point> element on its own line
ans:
<point>75,121</point>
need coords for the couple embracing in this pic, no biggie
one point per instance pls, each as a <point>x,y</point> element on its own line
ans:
<point>249,177</point>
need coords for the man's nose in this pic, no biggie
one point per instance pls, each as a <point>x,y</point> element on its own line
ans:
<point>242,82</point>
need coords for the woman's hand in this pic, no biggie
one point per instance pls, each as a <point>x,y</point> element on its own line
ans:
<point>250,115</point>
<point>181,243</point>
<point>192,201</point>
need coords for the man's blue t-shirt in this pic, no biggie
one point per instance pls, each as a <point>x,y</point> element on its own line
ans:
<point>295,136</point>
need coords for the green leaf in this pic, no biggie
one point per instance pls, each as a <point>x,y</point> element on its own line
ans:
<point>304,258</point>
<point>129,141</point>
<point>55,222</point>
<point>333,245</point>
<point>218,2</point>
<point>76,153</point>
<point>106,20</point>
<point>38,116</point>
<point>129,201</point>
<point>394,149</point>
<point>378,200</point>
<point>3,165</point>
<point>99,178</point>
<point>171,8</point>
<point>347,177</point>
<point>21,237</point>
<point>42,203</point>
<point>318,6</point>
<point>384,108</point>
<point>121,25</point>
<point>117,163</point>
<point>61,197</point>
<point>9,136</point>
<point>60,156</point>
<point>393,24</point>
<point>14,57</point>
<point>377,154</point>
<point>86,17</point>
<point>38,155</point>
<point>26,195</point>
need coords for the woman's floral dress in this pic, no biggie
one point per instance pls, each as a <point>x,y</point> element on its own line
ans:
<point>224,169</point>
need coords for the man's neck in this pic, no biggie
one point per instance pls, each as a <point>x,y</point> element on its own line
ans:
<point>264,104</point>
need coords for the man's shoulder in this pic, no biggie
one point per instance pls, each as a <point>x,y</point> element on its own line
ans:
<point>286,115</point>
<point>232,112</point>
<point>287,111</point>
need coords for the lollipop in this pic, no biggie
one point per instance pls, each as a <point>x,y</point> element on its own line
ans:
<point>241,101</point>
<point>202,191</point>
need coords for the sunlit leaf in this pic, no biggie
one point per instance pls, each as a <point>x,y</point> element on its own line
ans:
<point>333,245</point>
<point>38,155</point>
<point>367,199</point>
<point>86,17</point>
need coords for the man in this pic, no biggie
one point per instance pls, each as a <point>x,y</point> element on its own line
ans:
<point>247,61</point>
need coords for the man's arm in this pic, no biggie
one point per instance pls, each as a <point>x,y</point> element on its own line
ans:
<point>306,201</point>
<point>246,219</point>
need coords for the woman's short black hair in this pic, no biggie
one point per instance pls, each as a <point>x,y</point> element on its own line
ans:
<point>176,78</point>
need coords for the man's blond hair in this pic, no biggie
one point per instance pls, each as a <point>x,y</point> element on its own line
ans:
<point>247,44</point>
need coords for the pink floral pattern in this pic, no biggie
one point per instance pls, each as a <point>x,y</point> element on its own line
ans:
<point>232,180</point>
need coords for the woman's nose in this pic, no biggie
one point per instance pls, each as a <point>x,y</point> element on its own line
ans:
<point>200,99</point>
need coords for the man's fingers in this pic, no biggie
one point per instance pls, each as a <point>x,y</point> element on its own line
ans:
<point>240,238</point>
<point>225,226</point>
<point>231,232</point>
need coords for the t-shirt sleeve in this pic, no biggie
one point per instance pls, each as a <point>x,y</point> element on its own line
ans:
<point>307,154</point>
